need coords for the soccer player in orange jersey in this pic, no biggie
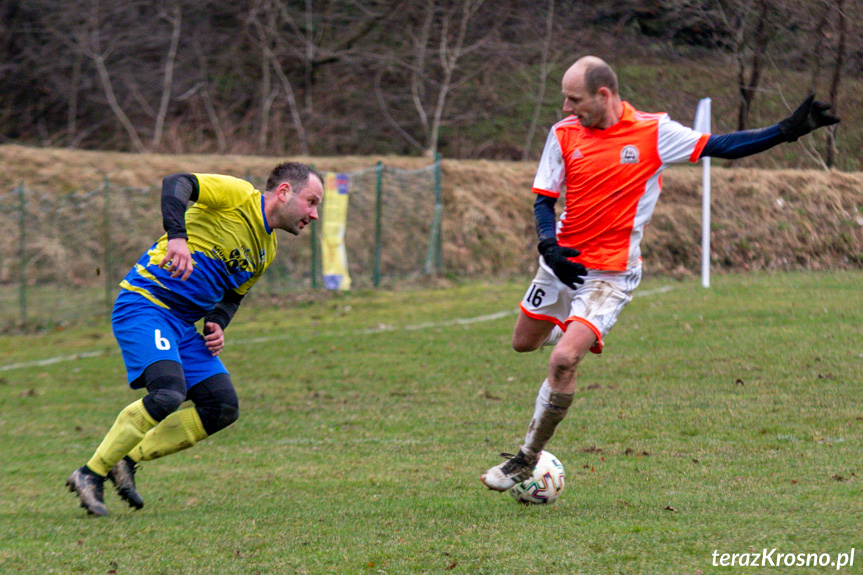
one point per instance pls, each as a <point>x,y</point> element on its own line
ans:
<point>608,158</point>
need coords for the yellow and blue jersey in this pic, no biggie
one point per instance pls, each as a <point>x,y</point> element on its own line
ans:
<point>231,246</point>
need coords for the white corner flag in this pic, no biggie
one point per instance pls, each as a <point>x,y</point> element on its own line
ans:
<point>702,124</point>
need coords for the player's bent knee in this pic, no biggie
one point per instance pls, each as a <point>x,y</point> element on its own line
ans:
<point>228,414</point>
<point>166,387</point>
<point>217,417</point>
<point>562,362</point>
<point>163,402</point>
<point>525,346</point>
<point>216,401</point>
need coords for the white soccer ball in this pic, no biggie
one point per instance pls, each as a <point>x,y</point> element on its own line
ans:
<point>545,485</point>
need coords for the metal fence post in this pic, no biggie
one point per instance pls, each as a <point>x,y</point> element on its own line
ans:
<point>438,194</point>
<point>107,264</point>
<point>379,170</point>
<point>314,234</point>
<point>22,276</point>
<point>433,257</point>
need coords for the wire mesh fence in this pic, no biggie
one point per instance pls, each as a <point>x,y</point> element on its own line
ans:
<point>64,255</point>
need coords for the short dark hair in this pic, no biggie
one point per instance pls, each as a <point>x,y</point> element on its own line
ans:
<point>294,173</point>
<point>600,76</point>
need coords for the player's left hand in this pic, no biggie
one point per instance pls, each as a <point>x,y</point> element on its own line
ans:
<point>557,257</point>
<point>810,115</point>
<point>214,337</point>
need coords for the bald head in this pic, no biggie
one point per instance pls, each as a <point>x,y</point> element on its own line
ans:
<point>593,73</point>
<point>590,93</point>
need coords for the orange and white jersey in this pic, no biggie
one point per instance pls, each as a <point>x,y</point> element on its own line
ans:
<point>612,179</point>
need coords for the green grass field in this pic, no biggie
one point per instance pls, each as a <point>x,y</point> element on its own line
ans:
<point>727,420</point>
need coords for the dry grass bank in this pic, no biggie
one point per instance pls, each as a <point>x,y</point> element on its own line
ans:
<point>761,219</point>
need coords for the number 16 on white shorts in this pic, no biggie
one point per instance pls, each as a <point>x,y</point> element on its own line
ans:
<point>596,303</point>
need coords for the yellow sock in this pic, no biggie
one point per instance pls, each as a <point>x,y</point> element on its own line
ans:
<point>130,428</point>
<point>180,430</point>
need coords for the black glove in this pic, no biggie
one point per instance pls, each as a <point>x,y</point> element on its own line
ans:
<point>809,116</point>
<point>557,258</point>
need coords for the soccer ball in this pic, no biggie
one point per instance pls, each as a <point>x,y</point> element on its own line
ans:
<point>546,484</point>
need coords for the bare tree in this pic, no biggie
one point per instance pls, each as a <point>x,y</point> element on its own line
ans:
<point>817,46</point>
<point>207,100</point>
<point>749,86</point>
<point>89,42</point>
<point>94,36</point>
<point>175,20</point>
<point>842,26</point>
<point>445,35</point>
<point>542,81</point>
<point>264,18</point>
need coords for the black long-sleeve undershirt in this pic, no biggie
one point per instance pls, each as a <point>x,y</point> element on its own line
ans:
<point>177,191</point>
<point>224,311</point>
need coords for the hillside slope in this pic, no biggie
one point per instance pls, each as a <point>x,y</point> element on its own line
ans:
<point>761,219</point>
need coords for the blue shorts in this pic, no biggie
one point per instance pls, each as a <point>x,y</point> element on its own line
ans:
<point>148,333</point>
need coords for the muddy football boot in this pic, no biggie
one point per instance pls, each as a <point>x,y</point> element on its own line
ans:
<point>122,476</point>
<point>514,470</point>
<point>88,486</point>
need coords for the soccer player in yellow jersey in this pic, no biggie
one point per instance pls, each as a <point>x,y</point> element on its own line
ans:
<point>211,254</point>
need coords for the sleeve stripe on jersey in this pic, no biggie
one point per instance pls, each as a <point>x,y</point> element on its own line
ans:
<point>548,193</point>
<point>699,147</point>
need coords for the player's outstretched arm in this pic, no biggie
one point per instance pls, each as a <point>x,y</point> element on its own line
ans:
<point>809,116</point>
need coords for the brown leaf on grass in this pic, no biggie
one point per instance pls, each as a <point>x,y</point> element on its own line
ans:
<point>450,567</point>
<point>838,477</point>
<point>739,382</point>
<point>630,451</point>
<point>591,449</point>
<point>670,508</point>
<point>486,394</point>
<point>594,386</point>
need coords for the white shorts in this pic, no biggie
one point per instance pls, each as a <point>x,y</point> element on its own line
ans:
<point>596,303</point>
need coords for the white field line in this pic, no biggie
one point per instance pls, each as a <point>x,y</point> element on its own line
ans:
<point>382,328</point>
